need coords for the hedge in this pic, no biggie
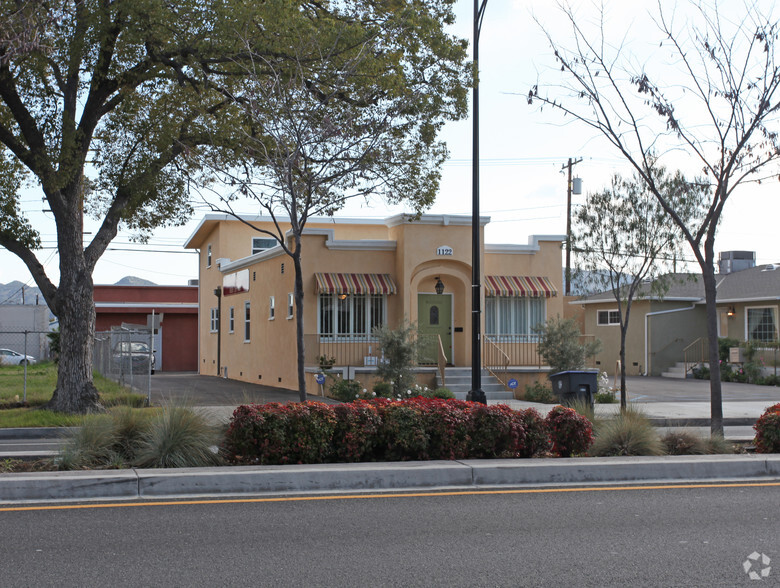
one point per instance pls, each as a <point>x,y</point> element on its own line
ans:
<point>387,430</point>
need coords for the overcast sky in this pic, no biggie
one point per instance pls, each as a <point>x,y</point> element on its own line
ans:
<point>523,150</point>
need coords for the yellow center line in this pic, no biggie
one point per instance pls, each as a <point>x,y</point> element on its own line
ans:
<point>391,495</point>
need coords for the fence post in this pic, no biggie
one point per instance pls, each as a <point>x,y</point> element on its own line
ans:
<point>24,397</point>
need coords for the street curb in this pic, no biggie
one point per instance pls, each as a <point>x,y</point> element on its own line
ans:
<point>35,432</point>
<point>429,475</point>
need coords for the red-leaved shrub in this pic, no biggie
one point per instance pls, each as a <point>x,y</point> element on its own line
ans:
<point>385,430</point>
<point>355,436</point>
<point>767,429</point>
<point>570,432</point>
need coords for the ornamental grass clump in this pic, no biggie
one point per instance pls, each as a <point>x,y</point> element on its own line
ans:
<point>570,432</point>
<point>767,429</point>
<point>627,433</point>
<point>690,443</point>
<point>177,437</point>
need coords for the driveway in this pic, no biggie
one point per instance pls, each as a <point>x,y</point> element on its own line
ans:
<point>647,389</point>
<point>197,390</point>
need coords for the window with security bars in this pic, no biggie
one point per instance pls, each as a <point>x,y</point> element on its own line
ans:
<point>762,324</point>
<point>351,315</point>
<point>513,317</point>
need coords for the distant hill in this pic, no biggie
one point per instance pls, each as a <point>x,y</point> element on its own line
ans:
<point>17,292</point>
<point>133,281</point>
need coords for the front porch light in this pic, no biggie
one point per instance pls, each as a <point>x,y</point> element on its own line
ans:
<point>732,311</point>
<point>439,287</point>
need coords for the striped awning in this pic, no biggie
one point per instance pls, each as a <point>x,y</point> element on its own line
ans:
<point>355,284</point>
<point>530,286</point>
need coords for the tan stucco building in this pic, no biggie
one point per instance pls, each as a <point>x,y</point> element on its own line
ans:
<point>358,274</point>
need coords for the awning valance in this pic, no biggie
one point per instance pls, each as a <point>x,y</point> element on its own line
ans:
<point>355,284</point>
<point>530,286</point>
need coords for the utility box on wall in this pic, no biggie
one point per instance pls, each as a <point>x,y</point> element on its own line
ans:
<point>736,355</point>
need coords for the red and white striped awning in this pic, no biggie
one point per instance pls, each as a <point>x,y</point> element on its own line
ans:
<point>530,286</point>
<point>355,284</point>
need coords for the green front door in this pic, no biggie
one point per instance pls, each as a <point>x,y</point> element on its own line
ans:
<point>434,320</point>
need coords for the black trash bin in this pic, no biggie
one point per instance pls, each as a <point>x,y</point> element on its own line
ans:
<point>574,385</point>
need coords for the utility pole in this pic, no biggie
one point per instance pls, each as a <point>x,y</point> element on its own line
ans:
<point>569,165</point>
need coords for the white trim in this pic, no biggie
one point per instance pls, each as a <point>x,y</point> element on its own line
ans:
<point>458,220</point>
<point>609,322</point>
<point>532,247</point>
<point>169,305</point>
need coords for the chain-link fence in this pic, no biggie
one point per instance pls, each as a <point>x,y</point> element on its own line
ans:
<point>127,357</point>
<point>23,348</point>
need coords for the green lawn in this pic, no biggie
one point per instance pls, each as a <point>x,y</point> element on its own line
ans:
<point>41,381</point>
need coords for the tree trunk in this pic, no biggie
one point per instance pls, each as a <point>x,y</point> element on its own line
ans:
<point>623,396</point>
<point>75,391</point>
<point>716,399</point>
<point>298,295</point>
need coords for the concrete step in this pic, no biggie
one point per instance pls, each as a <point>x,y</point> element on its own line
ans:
<point>458,381</point>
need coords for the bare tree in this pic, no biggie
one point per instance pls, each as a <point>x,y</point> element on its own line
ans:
<point>622,236</point>
<point>709,95</point>
<point>360,122</point>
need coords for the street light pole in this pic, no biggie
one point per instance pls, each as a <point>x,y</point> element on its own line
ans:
<point>476,394</point>
<point>569,165</point>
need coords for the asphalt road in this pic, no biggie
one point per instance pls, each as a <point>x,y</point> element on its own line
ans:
<point>602,537</point>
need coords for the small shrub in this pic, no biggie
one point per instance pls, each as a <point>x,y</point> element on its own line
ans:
<point>496,431</point>
<point>448,426</point>
<point>443,393</point>
<point>628,433</point>
<point>346,390</point>
<point>724,347</point>
<point>570,432</point>
<point>95,444</point>
<point>355,434</point>
<point>537,392</point>
<point>701,372</point>
<point>772,380</point>
<point>399,350</point>
<point>767,429</point>
<point>403,436</point>
<point>383,390</point>
<point>537,433</point>
<point>605,398</point>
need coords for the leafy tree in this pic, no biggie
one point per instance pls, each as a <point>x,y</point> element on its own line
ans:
<point>107,106</point>
<point>360,121</point>
<point>622,236</point>
<point>710,94</point>
<point>560,346</point>
<point>398,356</point>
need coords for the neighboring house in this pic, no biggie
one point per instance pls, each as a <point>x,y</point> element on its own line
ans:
<point>359,274</point>
<point>173,310</point>
<point>662,330</point>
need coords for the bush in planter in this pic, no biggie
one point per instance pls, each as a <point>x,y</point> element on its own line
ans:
<point>571,433</point>
<point>447,424</point>
<point>537,433</point>
<point>496,431</point>
<point>355,435</point>
<point>767,429</point>
<point>538,392</point>
<point>274,433</point>
<point>383,389</point>
<point>402,436</point>
<point>346,390</point>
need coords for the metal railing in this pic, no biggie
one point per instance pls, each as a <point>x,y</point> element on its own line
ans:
<point>694,354</point>
<point>442,363</point>
<point>361,350</point>
<point>495,360</point>
<point>516,350</point>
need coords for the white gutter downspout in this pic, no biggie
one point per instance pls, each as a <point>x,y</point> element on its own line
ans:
<point>657,312</point>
